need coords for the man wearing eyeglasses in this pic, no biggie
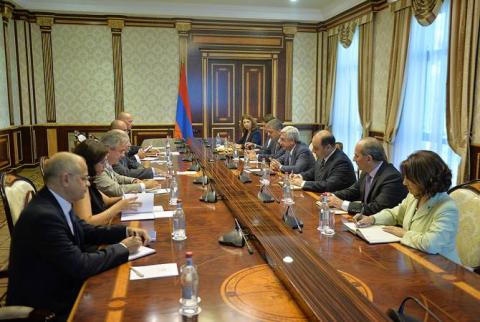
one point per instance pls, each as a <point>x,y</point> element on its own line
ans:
<point>48,257</point>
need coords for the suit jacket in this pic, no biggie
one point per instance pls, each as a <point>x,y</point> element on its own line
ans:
<point>48,264</point>
<point>432,228</point>
<point>302,159</point>
<point>114,185</point>
<point>132,162</point>
<point>273,150</point>
<point>386,191</point>
<point>255,137</point>
<point>337,173</point>
<point>140,172</point>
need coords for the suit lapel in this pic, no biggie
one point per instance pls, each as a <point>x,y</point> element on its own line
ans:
<point>375,179</point>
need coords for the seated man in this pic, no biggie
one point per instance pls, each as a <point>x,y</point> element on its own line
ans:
<point>379,187</point>
<point>271,149</point>
<point>135,152</point>
<point>297,157</point>
<point>130,167</point>
<point>48,258</point>
<point>111,183</point>
<point>333,170</point>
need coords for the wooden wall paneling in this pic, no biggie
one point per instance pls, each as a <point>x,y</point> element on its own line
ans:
<point>19,77</point>
<point>183,29</point>
<point>116,26</point>
<point>33,106</point>
<point>474,162</point>
<point>6,12</point>
<point>46,24</point>
<point>222,96</point>
<point>224,132</point>
<point>5,159</point>
<point>17,147</point>
<point>26,33</point>
<point>26,144</point>
<point>256,89</point>
<point>289,32</point>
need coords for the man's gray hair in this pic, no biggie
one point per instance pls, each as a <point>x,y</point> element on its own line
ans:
<point>114,138</point>
<point>373,147</point>
<point>291,133</point>
<point>61,162</point>
<point>275,124</point>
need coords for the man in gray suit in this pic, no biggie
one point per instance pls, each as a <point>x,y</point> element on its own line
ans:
<point>271,148</point>
<point>333,169</point>
<point>297,157</point>
<point>111,183</point>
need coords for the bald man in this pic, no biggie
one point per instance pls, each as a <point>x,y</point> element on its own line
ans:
<point>333,169</point>
<point>48,257</point>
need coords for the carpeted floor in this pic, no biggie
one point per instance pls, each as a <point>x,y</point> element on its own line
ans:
<point>34,175</point>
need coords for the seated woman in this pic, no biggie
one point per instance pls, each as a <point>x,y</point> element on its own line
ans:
<point>428,217</point>
<point>251,133</point>
<point>95,207</point>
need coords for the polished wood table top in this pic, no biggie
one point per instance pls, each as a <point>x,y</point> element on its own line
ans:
<point>237,286</point>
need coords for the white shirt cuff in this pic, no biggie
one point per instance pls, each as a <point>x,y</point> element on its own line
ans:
<point>142,186</point>
<point>137,158</point>
<point>303,183</point>
<point>345,205</point>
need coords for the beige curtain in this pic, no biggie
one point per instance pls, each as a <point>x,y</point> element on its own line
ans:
<point>463,81</point>
<point>426,11</point>
<point>365,63</point>
<point>331,77</point>
<point>398,57</point>
<point>346,32</point>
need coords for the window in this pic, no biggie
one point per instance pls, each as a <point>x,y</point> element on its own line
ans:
<point>423,105</point>
<point>346,124</point>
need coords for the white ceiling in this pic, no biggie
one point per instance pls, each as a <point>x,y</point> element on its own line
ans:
<point>267,10</point>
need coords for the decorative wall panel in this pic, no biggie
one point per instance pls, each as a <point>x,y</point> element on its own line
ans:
<point>38,68</point>
<point>14,74</point>
<point>83,73</point>
<point>150,73</point>
<point>383,29</point>
<point>254,89</point>
<point>304,77</point>
<point>4,117</point>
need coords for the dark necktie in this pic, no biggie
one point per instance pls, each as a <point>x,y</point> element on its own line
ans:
<point>322,164</point>
<point>368,183</point>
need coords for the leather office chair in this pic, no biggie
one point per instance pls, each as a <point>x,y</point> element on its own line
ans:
<point>467,198</point>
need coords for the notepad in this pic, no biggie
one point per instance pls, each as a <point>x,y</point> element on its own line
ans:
<point>146,202</point>
<point>373,234</point>
<point>141,252</point>
<point>157,212</point>
<point>154,271</point>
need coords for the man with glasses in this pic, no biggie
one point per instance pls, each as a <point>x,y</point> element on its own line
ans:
<point>48,258</point>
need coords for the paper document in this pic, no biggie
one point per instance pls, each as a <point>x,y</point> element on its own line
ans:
<point>253,170</point>
<point>159,178</point>
<point>146,200</point>
<point>157,212</point>
<point>149,159</point>
<point>373,234</point>
<point>153,271</point>
<point>142,251</point>
<point>292,186</point>
<point>158,191</point>
<point>186,173</point>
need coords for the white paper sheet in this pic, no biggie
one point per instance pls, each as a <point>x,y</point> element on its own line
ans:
<point>146,200</point>
<point>154,271</point>
<point>142,251</point>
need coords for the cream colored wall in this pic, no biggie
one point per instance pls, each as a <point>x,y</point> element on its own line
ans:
<point>383,30</point>
<point>83,74</point>
<point>4,116</point>
<point>150,73</point>
<point>304,77</point>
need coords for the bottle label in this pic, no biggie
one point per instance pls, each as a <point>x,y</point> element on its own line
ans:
<point>187,292</point>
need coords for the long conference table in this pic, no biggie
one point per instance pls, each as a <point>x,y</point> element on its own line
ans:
<point>338,278</point>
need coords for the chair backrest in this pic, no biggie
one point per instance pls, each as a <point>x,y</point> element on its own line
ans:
<point>467,198</point>
<point>43,161</point>
<point>16,191</point>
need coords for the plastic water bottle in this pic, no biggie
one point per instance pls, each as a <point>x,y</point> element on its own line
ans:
<point>189,281</point>
<point>218,140</point>
<point>178,220</point>
<point>235,155</point>
<point>287,190</point>
<point>326,218</point>
<point>173,191</point>
<point>265,180</point>
<point>246,162</point>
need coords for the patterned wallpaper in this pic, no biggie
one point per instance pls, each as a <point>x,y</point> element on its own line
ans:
<point>22,62</point>
<point>13,72</point>
<point>383,29</point>
<point>38,70</point>
<point>150,73</point>
<point>4,118</point>
<point>83,74</point>
<point>304,75</point>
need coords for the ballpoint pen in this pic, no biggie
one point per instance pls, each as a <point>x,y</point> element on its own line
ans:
<point>137,272</point>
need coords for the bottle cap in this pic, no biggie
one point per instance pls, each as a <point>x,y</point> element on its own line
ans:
<point>188,254</point>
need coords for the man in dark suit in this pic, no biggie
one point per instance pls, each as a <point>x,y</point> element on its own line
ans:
<point>297,157</point>
<point>271,148</point>
<point>380,185</point>
<point>48,257</point>
<point>333,170</point>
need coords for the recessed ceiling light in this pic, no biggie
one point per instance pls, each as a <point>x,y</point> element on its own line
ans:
<point>293,0</point>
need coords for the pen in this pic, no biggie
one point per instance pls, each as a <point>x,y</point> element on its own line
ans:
<point>138,273</point>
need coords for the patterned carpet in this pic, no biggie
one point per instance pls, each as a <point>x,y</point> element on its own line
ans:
<point>34,175</point>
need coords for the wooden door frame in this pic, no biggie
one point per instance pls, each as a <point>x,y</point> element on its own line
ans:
<point>272,55</point>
